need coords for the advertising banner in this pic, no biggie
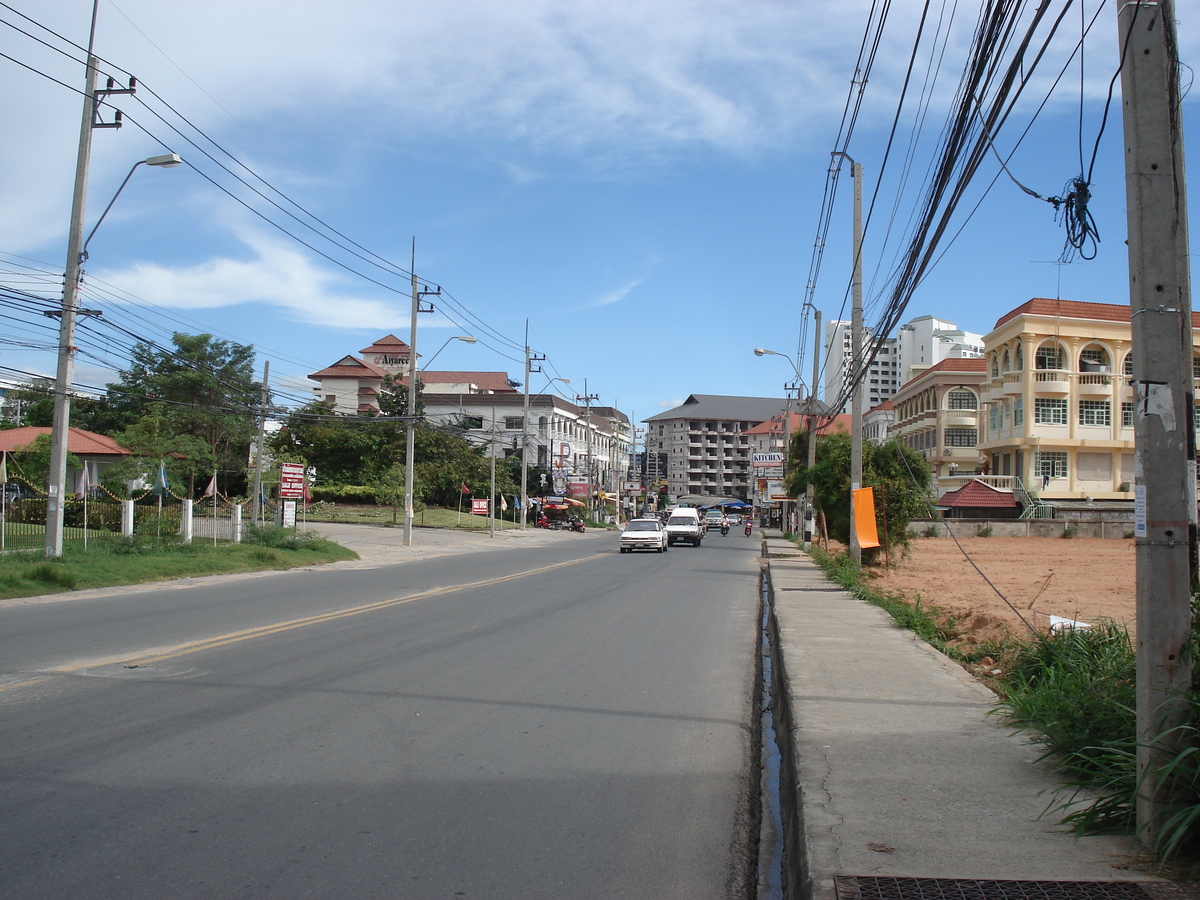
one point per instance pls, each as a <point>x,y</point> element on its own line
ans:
<point>775,491</point>
<point>479,507</point>
<point>291,480</point>
<point>768,459</point>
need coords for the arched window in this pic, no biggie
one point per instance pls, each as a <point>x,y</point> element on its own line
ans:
<point>1127,366</point>
<point>1020,363</point>
<point>1049,356</point>
<point>542,423</point>
<point>1094,358</point>
<point>961,399</point>
<point>995,365</point>
<point>1007,361</point>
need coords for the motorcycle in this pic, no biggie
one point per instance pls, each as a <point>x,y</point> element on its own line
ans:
<point>576,525</point>
<point>749,527</point>
<point>724,529</point>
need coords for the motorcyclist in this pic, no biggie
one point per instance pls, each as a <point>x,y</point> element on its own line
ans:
<point>749,525</point>
<point>724,525</point>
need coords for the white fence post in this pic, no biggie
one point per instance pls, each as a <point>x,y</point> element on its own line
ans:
<point>127,518</point>
<point>185,521</point>
<point>235,523</point>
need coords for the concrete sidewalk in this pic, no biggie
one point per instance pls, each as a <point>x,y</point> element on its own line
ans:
<point>900,770</point>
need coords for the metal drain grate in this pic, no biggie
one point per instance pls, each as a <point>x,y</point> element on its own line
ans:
<point>852,887</point>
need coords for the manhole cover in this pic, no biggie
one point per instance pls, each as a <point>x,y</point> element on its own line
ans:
<point>853,887</point>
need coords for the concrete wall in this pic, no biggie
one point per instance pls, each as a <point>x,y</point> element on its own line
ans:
<point>1023,527</point>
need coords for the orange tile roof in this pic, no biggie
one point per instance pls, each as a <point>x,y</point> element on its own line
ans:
<point>79,442</point>
<point>355,368</point>
<point>387,342</point>
<point>977,495</point>
<point>1075,309</point>
<point>486,381</point>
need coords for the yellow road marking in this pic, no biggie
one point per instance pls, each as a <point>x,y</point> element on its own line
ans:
<point>235,637</point>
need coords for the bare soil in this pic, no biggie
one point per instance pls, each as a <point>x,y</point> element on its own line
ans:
<point>1082,579</point>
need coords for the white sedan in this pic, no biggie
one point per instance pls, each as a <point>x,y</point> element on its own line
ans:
<point>644,534</point>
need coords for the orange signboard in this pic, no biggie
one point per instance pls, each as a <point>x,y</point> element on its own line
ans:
<point>864,518</point>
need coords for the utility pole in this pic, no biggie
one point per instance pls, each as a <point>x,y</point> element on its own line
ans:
<point>530,358</point>
<point>588,398</point>
<point>256,502</point>
<point>410,427</point>
<point>856,357</point>
<point>492,488</point>
<point>1165,440</point>
<point>810,493</point>
<point>56,488</point>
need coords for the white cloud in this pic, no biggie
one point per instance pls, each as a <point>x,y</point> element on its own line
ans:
<point>274,273</point>
<point>615,295</point>
<point>669,404</point>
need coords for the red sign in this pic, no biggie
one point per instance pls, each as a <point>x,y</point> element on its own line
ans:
<point>479,507</point>
<point>291,480</point>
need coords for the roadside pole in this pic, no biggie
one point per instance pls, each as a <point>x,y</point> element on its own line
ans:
<point>256,502</point>
<point>1165,441</point>
<point>810,515</point>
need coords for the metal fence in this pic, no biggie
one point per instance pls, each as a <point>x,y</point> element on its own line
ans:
<point>99,519</point>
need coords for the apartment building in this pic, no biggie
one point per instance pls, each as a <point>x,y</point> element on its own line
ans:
<point>705,443</point>
<point>937,415</point>
<point>919,343</point>
<point>1057,399</point>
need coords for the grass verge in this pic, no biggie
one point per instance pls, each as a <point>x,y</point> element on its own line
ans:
<point>142,560</point>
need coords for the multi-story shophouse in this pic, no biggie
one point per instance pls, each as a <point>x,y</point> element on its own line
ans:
<point>564,439</point>
<point>705,443</point>
<point>560,433</point>
<point>937,415</point>
<point>1059,400</point>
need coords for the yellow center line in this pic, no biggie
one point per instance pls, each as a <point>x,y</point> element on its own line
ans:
<point>248,634</point>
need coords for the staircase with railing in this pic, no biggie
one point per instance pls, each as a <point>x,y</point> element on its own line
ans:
<point>1032,506</point>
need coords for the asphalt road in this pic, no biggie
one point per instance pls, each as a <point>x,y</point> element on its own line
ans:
<point>553,720</point>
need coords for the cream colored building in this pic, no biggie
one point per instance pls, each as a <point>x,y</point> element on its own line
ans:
<point>937,414</point>
<point>1058,400</point>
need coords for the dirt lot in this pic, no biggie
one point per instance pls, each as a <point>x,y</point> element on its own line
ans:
<point>1084,579</point>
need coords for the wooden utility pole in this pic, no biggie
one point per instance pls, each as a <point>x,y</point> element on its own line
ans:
<point>1161,315</point>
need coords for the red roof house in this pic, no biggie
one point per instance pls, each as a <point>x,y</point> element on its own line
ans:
<point>978,500</point>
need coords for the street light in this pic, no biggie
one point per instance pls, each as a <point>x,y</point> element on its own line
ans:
<point>787,419</point>
<point>465,338</point>
<point>59,432</point>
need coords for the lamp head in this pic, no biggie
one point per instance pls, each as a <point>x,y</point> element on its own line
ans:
<point>759,351</point>
<point>465,338</point>
<point>166,161</point>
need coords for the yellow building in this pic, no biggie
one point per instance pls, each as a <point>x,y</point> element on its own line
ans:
<point>1058,400</point>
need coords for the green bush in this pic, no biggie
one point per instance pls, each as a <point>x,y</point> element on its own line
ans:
<point>273,536</point>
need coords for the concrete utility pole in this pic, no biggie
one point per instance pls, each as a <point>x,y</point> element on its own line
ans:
<point>256,502</point>
<point>588,398</point>
<point>530,358</point>
<point>810,514</point>
<point>1165,440</point>
<point>856,356</point>
<point>410,427</point>
<point>492,488</point>
<point>61,422</point>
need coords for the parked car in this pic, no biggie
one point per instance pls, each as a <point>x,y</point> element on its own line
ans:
<point>644,534</point>
<point>685,526</point>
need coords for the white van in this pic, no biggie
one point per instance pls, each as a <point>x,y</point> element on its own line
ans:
<point>684,527</point>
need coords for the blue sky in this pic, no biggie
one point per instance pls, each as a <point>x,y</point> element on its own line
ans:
<point>640,180</point>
